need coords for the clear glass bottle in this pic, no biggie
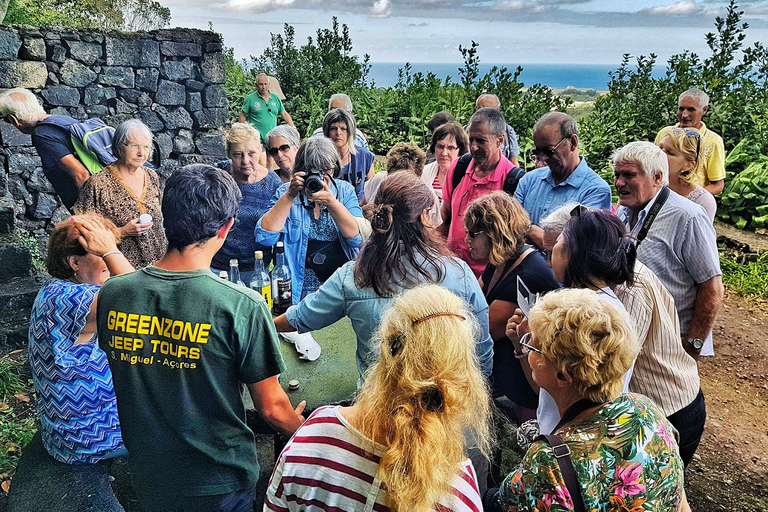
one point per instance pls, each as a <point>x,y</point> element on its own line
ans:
<point>260,282</point>
<point>234,272</point>
<point>281,282</point>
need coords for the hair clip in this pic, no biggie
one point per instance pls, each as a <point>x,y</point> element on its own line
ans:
<point>434,315</point>
<point>396,345</point>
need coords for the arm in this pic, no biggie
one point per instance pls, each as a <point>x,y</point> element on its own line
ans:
<point>317,310</point>
<point>709,298</point>
<point>715,187</point>
<point>516,327</point>
<point>274,219</point>
<point>535,235</point>
<point>514,161</point>
<point>72,166</point>
<point>286,117</point>
<point>445,215</point>
<point>275,407</point>
<point>241,117</point>
<point>371,173</point>
<point>498,313</point>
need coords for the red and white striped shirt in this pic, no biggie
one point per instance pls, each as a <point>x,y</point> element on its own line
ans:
<point>330,466</point>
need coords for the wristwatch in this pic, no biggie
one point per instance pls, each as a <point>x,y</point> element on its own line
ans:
<point>696,343</point>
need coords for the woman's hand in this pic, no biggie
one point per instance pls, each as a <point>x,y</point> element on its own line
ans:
<point>517,325</point>
<point>94,237</point>
<point>324,197</point>
<point>297,185</point>
<point>135,227</point>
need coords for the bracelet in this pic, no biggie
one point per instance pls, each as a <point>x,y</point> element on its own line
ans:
<point>110,253</point>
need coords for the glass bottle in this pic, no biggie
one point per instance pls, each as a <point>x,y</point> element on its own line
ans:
<point>281,282</point>
<point>260,282</point>
<point>234,272</point>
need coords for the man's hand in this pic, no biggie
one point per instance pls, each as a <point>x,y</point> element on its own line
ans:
<point>273,404</point>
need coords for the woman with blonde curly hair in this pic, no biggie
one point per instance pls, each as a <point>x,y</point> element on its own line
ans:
<point>496,225</point>
<point>579,349</point>
<point>686,167</point>
<point>400,446</point>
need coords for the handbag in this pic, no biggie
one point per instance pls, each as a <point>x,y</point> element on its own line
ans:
<point>324,257</point>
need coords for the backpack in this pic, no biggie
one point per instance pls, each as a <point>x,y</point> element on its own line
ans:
<point>92,140</point>
<point>510,182</point>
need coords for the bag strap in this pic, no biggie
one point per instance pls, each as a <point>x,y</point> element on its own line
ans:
<point>563,456</point>
<point>514,176</point>
<point>460,170</point>
<point>518,261</point>
<point>654,211</point>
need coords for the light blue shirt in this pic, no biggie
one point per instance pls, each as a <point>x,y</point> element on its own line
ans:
<point>339,296</point>
<point>540,195</point>
<point>295,232</point>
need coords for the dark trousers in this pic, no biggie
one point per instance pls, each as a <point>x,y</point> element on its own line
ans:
<point>689,422</point>
<point>237,501</point>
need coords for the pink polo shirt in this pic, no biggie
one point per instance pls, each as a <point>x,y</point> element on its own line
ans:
<point>469,188</point>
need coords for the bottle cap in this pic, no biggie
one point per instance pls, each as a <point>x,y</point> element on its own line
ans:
<point>279,247</point>
<point>144,218</point>
<point>293,385</point>
<point>258,255</point>
<point>223,274</point>
<point>233,262</point>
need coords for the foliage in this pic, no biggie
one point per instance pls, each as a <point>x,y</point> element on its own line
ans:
<point>103,14</point>
<point>16,431</point>
<point>11,381</point>
<point>748,278</point>
<point>743,199</point>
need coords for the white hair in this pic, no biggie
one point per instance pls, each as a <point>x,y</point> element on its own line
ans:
<point>697,94</point>
<point>555,222</point>
<point>125,132</point>
<point>341,96</point>
<point>651,159</point>
<point>285,131</point>
<point>21,104</point>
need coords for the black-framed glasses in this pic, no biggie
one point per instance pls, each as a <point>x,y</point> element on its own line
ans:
<point>691,133</point>
<point>280,149</point>
<point>474,234</point>
<point>525,345</point>
<point>8,118</point>
<point>548,152</point>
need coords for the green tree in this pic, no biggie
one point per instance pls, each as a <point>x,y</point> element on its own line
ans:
<point>102,14</point>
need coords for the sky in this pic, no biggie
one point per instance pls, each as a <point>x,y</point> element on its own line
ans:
<point>508,31</point>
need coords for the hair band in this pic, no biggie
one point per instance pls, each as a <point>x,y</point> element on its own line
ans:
<point>434,315</point>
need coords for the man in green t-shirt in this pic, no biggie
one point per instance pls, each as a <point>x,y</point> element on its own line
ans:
<point>181,343</point>
<point>261,108</point>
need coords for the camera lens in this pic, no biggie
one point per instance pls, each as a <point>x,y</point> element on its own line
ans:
<point>313,183</point>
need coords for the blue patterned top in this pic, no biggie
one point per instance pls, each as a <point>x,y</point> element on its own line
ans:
<point>76,401</point>
<point>241,242</point>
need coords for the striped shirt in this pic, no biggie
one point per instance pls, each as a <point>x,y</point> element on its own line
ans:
<point>330,466</point>
<point>681,249</point>
<point>664,371</point>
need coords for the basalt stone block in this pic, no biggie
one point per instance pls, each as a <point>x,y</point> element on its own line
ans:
<point>194,85</point>
<point>57,53</point>
<point>10,136</point>
<point>170,93</point>
<point>147,79</point>
<point>7,216</point>
<point>123,107</point>
<point>118,76</point>
<point>144,100</point>
<point>139,53</point>
<point>87,53</point>
<point>97,111</point>
<point>183,35</point>
<point>60,214</point>
<point>19,163</point>
<point>197,159</point>
<point>194,101</point>
<point>17,261</point>
<point>53,79</point>
<point>76,74</point>
<point>95,95</point>
<point>23,73</point>
<point>130,95</point>
<point>210,143</point>
<point>174,49</point>
<point>165,144</point>
<point>213,47</point>
<point>45,204</point>
<point>210,118</point>
<point>19,191</point>
<point>61,95</point>
<point>33,48</point>
<point>37,181</point>
<point>151,119</point>
<point>10,42</point>
<point>52,66</point>
<point>59,111</point>
<point>3,180</point>
<point>174,118</point>
<point>214,96</point>
<point>183,142</point>
<point>213,69</point>
<point>176,69</point>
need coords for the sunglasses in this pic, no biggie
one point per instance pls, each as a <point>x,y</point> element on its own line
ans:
<point>547,152</point>
<point>282,149</point>
<point>474,234</point>
<point>691,133</point>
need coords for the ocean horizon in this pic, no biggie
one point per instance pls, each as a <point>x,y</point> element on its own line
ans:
<point>556,76</point>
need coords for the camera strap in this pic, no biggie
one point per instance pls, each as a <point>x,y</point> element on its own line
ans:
<point>652,213</point>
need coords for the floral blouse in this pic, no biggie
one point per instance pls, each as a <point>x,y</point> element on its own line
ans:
<point>626,458</point>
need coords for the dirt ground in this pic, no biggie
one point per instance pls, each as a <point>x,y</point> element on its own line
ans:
<point>730,469</point>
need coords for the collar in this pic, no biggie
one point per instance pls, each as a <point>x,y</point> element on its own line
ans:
<point>625,214</point>
<point>575,179</point>
<point>499,173</point>
<point>701,130</point>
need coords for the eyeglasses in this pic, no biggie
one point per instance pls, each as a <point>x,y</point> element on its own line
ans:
<point>547,152</point>
<point>691,133</point>
<point>443,147</point>
<point>578,210</point>
<point>525,345</point>
<point>8,119</point>
<point>474,234</point>
<point>282,149</point>
<point>136,147</point>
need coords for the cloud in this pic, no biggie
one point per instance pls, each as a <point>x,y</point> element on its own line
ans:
<point>681,8</point>
<point>381,9</point>
<point>422,24</point>
<point>254,5</point>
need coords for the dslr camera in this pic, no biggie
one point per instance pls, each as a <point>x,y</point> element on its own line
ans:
<point>313,181</point>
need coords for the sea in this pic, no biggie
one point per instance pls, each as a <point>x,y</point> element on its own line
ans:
<point>556,76</point>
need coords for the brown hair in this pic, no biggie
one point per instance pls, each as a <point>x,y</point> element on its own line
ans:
<point>455,129</point>
<point>389,256</point>
<point>64,243</point>
<point>504,221</point>
<point>406,156</point>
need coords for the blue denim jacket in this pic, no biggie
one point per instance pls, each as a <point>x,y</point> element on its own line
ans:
<point>295,232</point>
<point>339,296</point>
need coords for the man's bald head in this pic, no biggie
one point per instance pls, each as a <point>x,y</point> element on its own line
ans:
<point>488,100</point>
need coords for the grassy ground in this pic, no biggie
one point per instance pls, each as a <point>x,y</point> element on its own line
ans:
<point>749,279</point>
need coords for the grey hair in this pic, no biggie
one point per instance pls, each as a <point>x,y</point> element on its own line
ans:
<point>285,131</point>
<point>124,132</point>
<point>651,159</point>
<point>262,74</point>
<point>341,96</point>
<point>493,117</point>
<point>339,115</point>
<point>555,222</point>
<point>567,125</point>
<point>700,95</point>
<point>318,153</point>
<point>21,104</point>
<point>489,96</point>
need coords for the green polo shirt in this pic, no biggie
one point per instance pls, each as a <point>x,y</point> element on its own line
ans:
<point>262,114</point>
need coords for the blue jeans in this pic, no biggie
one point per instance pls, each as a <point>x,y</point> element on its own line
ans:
<point>689,422</point>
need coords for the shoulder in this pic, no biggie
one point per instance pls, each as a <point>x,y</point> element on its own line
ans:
<point>344,187</point>
<point>682,207</point>
<point>152,175</point>
<point>364,154</point>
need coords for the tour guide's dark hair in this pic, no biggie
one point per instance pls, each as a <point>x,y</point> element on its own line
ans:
<point>598,247</point>
<point>399,240</point>
<point>198,200</point>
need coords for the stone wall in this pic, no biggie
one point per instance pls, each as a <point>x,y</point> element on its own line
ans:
<point>170,79</point>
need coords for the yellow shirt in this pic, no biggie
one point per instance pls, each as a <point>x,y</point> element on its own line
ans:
<point>712,152</point>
